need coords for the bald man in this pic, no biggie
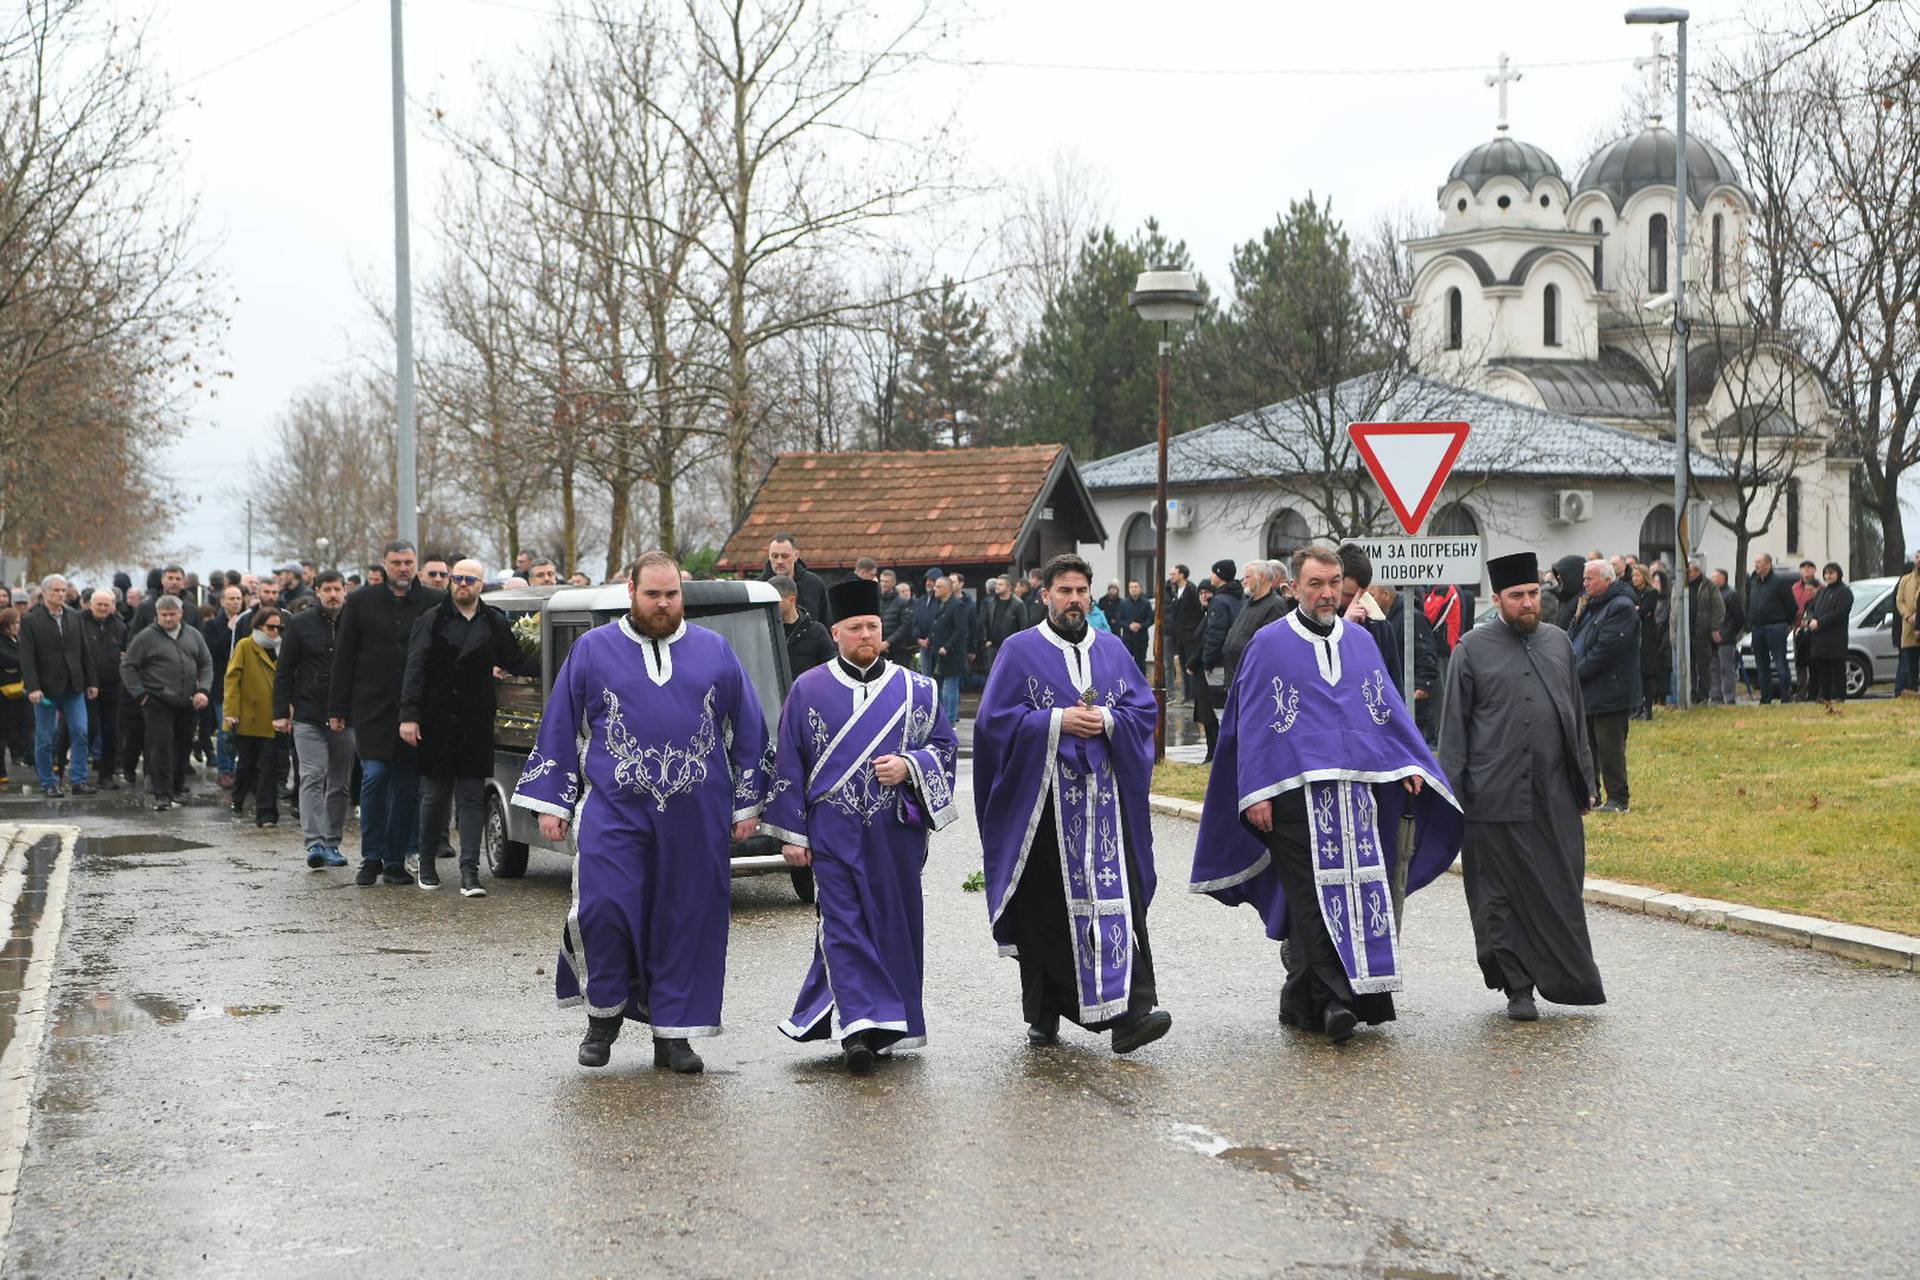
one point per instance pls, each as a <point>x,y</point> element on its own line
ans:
<point>458,650</point>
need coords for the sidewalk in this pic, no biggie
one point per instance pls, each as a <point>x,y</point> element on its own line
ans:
<point>1851,941</point>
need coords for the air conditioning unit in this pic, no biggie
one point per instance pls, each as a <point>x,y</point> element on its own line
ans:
<point>1570,506</point>
<point>1179,513</point>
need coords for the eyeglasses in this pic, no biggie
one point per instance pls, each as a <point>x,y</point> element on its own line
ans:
<point>464,579</point>
<point>269,626</point>
<point>435,573</point>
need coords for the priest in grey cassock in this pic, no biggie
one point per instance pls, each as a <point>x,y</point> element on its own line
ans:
<point>1323,797</point>
<point>1062,765</point>
<point>654,755</point>
<point>864,772</point>
<point>1513,740</point>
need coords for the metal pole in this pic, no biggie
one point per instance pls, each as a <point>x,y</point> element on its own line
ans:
<point>1160,552</point>
<point>406,499</point>
<point>1683,610</point>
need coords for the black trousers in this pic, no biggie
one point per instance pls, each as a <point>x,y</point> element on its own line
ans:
<point>1315,976</point>
<point>257,769</point>
<point>133,736</point>
<point>1607,737</point>
<point>104,715</point>
<point>169,734</point>
<point>440,796</point>
<point>1049,974</point>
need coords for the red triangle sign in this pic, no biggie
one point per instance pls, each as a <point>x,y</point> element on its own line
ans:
<point>1410,461</point>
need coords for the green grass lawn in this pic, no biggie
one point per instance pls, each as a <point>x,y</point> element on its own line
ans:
<point>1782,807</point>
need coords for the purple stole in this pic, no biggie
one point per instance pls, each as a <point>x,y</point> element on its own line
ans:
<point>894,721</point>
<point>1350,872</point>
<point>1086,814</point>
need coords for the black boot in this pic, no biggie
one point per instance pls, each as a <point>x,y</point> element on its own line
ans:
<point>1520,1006</point>
<point>1044,1032</point>
<point>1338,1021</point>
<point>1135,1032</point>
<point>597,1048</point>
<point>677,1055</point>
<point>859,1054</point>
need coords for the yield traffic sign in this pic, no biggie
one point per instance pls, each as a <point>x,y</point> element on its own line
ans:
<point>1410,461</point>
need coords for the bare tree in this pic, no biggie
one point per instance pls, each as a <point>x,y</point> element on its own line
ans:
<point>327,433</point>
<point>1046,220</point>
<point>803,163</point>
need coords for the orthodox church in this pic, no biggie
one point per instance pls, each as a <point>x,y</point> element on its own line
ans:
<point>1544,308</point>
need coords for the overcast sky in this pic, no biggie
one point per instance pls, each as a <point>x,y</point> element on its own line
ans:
<point>290,146</point>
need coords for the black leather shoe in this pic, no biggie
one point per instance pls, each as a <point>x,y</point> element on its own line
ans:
<point>859,1054</point>
<point>162,804</point>
<point>429,875</point>
<point>1043,1033</point>
<point>85,789</point>
<point>52,793</point>
<point>1339,1022</point>
<point>597,1049</point>
<point>1520,1007</point>
<point>369,873</point>
<point>396,875</point>
<point>1135,1033</point>
<point>677,1055</point>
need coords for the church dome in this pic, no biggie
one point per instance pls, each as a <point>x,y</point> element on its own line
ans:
<point>1645,159</point>
<point>1503,157</point>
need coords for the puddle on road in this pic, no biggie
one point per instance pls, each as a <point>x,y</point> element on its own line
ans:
<point>105,1013</point>
<point>1278,1161</point>
<point>121,846</point>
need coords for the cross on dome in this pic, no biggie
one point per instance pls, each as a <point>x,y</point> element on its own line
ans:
<point>1654,64</point>
<point>1500,80</point>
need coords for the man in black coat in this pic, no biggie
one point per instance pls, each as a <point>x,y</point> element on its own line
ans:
<point>1184,619</point>
<point>1606,651</point>
<point>1259,579</point>
<point>808,643</point>
<point>1210,653</point>
<point>1771,610</point>
<point>1135,624</point>
<point>896,626</point>
<point>107,639</point>
<point>56,666</point>
<point>173,582</point>
<point>1002,617</point>
<point>446,711</point>
<point>948,635</point>
<point>301,685</point>
<point>783,561</point>
<point>376,626</point>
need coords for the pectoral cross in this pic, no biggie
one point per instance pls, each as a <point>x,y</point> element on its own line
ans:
<point>1500,80</point>
<point>1654,64</point>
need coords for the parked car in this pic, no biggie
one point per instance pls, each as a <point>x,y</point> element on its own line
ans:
<point>1872,654</point>
<point>747,617</point>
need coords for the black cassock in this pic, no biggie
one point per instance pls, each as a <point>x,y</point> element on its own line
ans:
<point>1514,745</point>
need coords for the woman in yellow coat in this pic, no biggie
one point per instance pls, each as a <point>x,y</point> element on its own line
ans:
<point>248,712</point>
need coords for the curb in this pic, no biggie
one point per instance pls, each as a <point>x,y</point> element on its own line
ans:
<point>1849,941</point>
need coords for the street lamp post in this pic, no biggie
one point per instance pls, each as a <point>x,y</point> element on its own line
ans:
<point>1682,445</point>
<point>407,515</point>
<point>1167,296</point>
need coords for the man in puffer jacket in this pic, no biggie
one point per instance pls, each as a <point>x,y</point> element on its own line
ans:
<point>1606,647</point>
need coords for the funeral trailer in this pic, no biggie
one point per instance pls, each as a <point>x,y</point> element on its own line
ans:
<point>745,614</point>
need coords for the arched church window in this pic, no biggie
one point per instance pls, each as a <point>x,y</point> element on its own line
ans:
<point>1658,537</point>
<point>1137,557</point>
<point>1456,321</point>
<point>1454,520</point>
<point>1657,254</point>
<point>1287,532</point>
<point>1599,276</point>
<point>1550,318</point>
<point>1719,277</point>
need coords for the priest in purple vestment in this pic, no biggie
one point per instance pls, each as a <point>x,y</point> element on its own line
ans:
<point>654,755</point>
<point>864,772</point>
<point>1321,786</point>
<point>1062,765</point>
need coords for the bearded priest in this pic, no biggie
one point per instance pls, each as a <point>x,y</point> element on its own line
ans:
<point>1323,796</point>
<point>864,773</point>
<point>652,759</point>
<point>1062,765</point>
<point>1513,739</point>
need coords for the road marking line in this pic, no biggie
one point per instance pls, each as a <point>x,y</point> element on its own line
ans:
<point>17,1064</point>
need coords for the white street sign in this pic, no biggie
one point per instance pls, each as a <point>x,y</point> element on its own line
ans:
<point>1422,562</point>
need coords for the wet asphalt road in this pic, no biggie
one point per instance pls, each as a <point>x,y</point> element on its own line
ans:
<point>253,1069</point>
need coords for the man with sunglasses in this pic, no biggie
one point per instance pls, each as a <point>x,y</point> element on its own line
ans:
<point>434,572</point>
<point>459,648</point>
<point>323,755</point>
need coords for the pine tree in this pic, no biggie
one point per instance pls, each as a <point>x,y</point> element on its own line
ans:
<point>952,371</point>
